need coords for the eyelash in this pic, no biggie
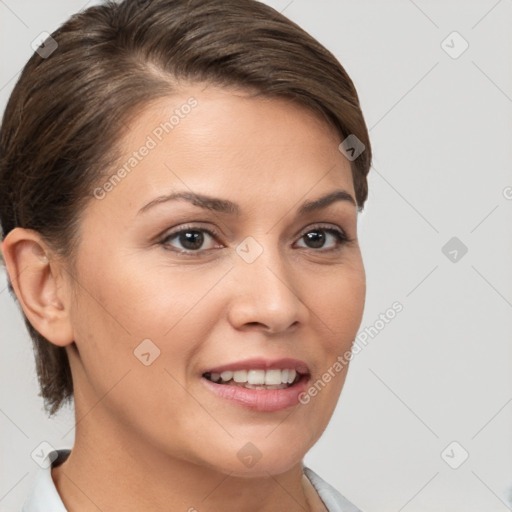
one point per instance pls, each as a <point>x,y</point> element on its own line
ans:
<point>340,236</point>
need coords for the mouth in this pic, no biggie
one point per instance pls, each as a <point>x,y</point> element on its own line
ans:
<point>257,378</point>
<point>261,385</point>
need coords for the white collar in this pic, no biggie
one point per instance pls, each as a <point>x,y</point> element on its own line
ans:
<point>43,495</point>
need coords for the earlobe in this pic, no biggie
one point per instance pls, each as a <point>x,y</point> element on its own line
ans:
<point>39,284</point>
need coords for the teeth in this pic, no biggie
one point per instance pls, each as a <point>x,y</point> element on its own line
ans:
<point>291,376</point>
<point>277,386</point>
<point>240,376</point>
<point>225,376</point>
<point>274,377</point>
<point>257,377</point>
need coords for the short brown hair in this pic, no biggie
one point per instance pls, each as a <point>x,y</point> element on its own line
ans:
<point>67,111</point>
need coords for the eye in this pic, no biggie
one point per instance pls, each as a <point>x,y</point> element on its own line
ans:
<point>317,236</point>
<point>190,238</point>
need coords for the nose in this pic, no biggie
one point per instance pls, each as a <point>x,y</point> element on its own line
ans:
<point>266,294</point>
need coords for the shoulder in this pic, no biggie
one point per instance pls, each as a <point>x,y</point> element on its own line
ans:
<point>43,495</point>
<point>333,500</point>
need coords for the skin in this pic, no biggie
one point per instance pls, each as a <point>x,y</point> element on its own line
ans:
<point>150,436</point>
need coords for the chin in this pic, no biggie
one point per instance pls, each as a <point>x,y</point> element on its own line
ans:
<point>258,459</point>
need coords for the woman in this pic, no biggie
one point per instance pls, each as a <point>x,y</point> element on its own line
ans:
<point>180,182</point>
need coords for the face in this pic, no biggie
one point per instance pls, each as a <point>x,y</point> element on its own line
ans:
<point>167,290</point>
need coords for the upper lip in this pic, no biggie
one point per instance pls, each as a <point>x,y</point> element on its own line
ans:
<point>263,364</point>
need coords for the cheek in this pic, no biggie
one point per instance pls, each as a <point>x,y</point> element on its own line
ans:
<point>340,304</point>
<point>139,300</point>
<point>340,309</point>
<point>126,304</point>
<point>120,309</point>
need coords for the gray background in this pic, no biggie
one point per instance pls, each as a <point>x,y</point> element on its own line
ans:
<point>440,371</point>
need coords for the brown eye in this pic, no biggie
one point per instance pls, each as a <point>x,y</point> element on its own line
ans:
<point>316,237</point>
<point>189,239</point>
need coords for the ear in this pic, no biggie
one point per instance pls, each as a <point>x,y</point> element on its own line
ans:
<point>38,279</point>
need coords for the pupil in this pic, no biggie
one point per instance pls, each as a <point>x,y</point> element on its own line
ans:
<point>316,237</point>
<point>194,239</point>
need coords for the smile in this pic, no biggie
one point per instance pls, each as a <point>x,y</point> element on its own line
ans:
<point>259,384</point>
<point>256,379</point>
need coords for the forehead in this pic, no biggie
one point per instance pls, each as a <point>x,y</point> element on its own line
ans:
<point>224,142</point>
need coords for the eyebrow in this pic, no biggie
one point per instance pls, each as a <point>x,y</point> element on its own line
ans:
<point>228,207</point>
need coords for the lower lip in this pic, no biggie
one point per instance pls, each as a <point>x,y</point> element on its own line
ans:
<point>264,400</point>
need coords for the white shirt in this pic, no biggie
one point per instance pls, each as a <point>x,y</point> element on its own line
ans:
<point>43,495</point>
